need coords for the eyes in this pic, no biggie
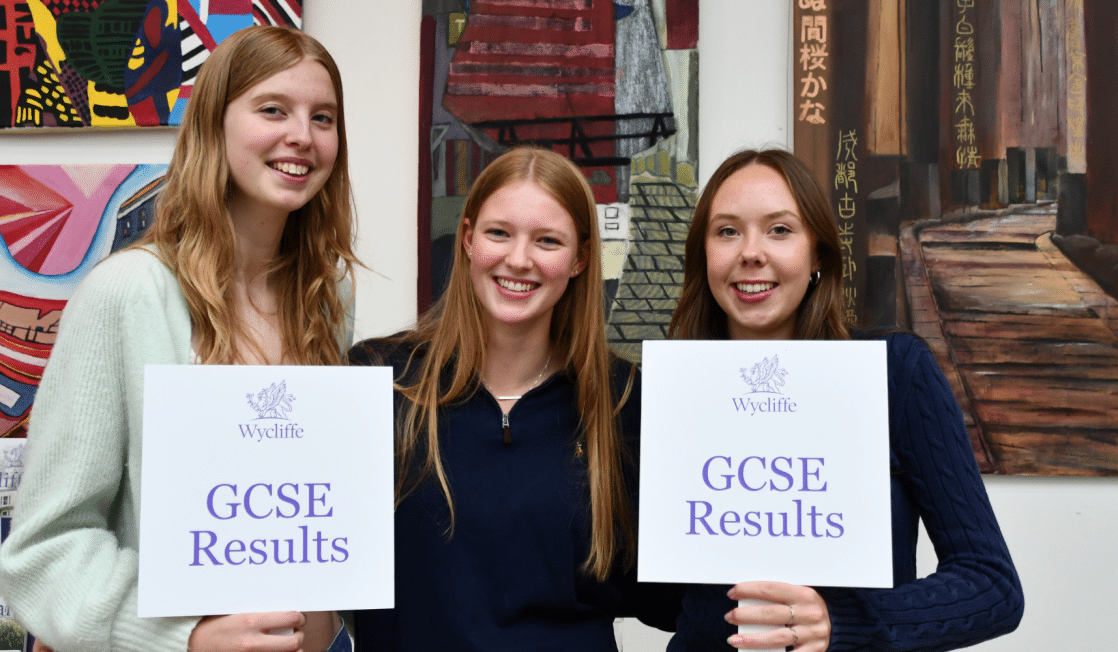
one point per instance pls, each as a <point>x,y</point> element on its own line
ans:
<point>546,241</point>
<point>323,118</point>
<point>727,231</point>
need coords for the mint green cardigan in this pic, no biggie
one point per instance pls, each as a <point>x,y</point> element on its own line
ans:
<point>70,565</point>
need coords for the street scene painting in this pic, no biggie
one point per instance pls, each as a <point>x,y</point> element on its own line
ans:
<point>56,223</point>
<point>611,85</point>
<point>968,147</point>
<point>114,63</point>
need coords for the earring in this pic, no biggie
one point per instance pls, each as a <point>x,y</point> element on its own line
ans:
<point>815,276</point>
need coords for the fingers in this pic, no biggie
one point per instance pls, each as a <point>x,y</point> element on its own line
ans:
<point>775,639</point>
<point>249,632</point>
<point>794,615</point>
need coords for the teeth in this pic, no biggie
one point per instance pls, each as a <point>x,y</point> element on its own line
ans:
<point>292,168</point>
<point>754,288</point>
<point>515,286</point>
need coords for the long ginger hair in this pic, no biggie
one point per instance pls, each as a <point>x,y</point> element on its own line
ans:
<point>453,334</point>
<point>193,230</point>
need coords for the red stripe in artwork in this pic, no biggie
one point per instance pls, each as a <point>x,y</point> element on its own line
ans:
<point>481,5</point>
<point>575,24</point>
<point>152,70</point>
<point>187,13</point>
<point>542,49</point>
<point>529,90</point>
<point>519,69</point>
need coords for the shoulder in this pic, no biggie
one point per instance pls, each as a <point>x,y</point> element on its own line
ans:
<point>904,349</point>
<point>397,351</point>
<point>133,282</point>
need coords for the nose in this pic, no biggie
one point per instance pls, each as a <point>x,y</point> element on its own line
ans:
<point>299,132</point>
<point>519,256</point>
<point>752,249</point>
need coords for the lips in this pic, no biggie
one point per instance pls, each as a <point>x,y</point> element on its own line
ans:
<point>516,286</point>
<point>754,288</point>
<point>294,169</point>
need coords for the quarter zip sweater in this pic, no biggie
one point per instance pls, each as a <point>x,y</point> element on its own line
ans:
<point>510,577</point>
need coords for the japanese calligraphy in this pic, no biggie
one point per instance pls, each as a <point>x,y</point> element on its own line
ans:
<point>963,81</point>
<point>846,179</point>
<point>812,60</point>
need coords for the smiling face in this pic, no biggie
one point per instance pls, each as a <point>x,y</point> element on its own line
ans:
<point>760,254</point>
<point>523,250</point>
<point>281,140</point>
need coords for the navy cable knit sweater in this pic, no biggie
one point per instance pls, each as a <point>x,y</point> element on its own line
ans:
<point>973,596</point>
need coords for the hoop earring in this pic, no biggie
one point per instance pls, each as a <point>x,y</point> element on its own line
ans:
<point>814,278</point>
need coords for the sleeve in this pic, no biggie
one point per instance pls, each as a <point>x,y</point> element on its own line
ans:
<point>975,593</point>
<point>653,603</point>
<point>69,568</point>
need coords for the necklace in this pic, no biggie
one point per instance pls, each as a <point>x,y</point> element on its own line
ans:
<point>530,387</point>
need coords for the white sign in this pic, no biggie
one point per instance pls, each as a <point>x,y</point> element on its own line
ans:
<point>765,460</point>
<point>266,488</point>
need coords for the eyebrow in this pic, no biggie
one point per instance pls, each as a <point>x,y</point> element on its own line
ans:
<point>766,216</point>
<point>264,97</point>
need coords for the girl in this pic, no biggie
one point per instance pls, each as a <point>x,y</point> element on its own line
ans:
<point>515,434</point>
<point>244,264</point>
<point>763,262</point>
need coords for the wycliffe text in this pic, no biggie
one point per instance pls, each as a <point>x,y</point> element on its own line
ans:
<point>262,501</point>
<point>794,475</point>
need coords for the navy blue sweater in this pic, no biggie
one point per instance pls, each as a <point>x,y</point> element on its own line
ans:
<point>975,593</point>
<point>511,577</point>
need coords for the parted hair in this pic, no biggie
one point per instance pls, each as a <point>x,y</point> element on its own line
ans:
<point>699,317</point>
<point>453,334</point>
<point>193,231</point>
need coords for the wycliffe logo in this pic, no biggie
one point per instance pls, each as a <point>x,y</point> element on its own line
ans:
<point>271,405</point>
<point>765,377</point>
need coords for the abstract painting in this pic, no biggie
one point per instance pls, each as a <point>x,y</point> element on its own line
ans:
<point>114,63</point>
<point>968,148</point>
<point>56,223</point>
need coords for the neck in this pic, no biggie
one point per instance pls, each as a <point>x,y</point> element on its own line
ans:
<point>514,362</point>
<point>257,237</point>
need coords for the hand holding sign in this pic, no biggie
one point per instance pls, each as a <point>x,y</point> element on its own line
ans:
<point>773,615</point>
<point>249,631</point>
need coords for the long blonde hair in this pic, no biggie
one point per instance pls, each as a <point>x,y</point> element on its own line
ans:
<point>453,335</point>
<point>193,230</point>
<point>699,317</point>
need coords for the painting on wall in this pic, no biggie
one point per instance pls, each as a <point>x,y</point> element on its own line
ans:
<point>56,223</point>
<point>611,85</point>
<point>114,63</point>
<point>968,150</point>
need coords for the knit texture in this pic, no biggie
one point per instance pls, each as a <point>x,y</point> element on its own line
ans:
<point>69,568</point>
<point>973,596</point>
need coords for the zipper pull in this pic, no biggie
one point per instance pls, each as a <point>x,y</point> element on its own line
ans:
<point>505,425</point>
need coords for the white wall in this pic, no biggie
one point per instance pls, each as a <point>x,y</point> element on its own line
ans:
<point>1061,531</point>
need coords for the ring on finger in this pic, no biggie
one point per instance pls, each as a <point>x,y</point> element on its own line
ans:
<point>795,638</point>
<point>791,615</point>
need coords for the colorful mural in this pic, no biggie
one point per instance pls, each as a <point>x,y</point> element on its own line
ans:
<point>968,148</point>
<point>56,222</point>
<point>611,85</point>
<point>114,63</point>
